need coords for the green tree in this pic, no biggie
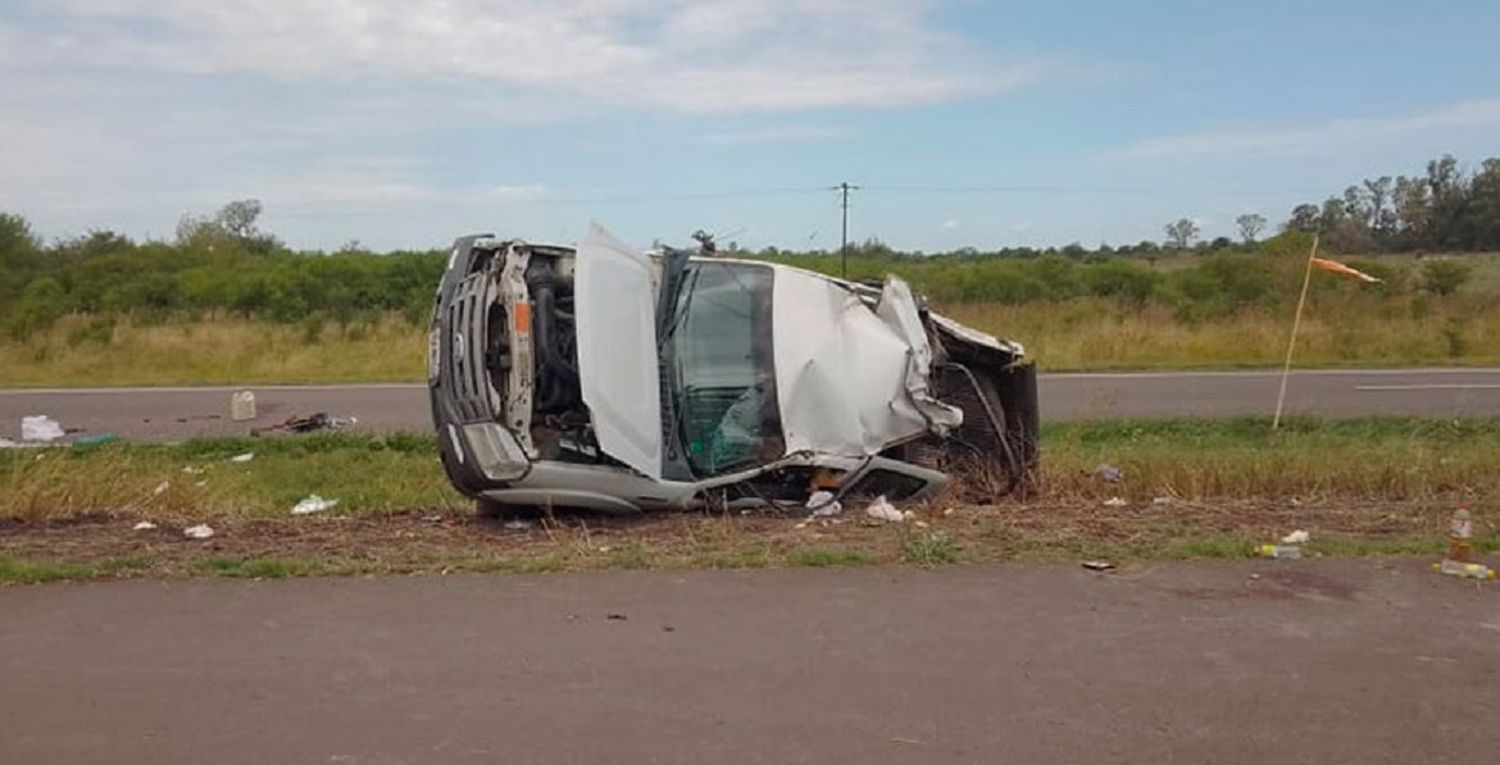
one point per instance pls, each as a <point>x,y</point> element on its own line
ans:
<point>42,303</point>
<point>1250,225</point>
<point>1181,232</point>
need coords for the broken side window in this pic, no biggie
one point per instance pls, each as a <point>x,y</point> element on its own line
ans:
<point>725,378</point>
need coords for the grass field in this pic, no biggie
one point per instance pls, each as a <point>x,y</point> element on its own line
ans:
<point>1192,489</point>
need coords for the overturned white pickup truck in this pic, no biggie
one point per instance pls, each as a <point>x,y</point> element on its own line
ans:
<point>608,378</point>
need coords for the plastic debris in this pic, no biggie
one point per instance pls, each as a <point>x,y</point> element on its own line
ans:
<point>1162,500</point>
<point>1098,565</point>
<point>143,526</point>
<point>1109,473</point>
<point>881,509</point>
<point>201,531</point>
<point>161,488</point>
<point>246,457</point>
<point>313,504</point>
<point>1298,537</point>
<point>1116,502</point>
<point>40,427</point>
<point>519,524</point>
<point>242,406</point>
<point>1287,552</point>
<point>1464,569</point>
<point>313,422</point>
<point>96,439</point>
<point>1460,531</point>
<point>823,505</point>
<point>6,443</point>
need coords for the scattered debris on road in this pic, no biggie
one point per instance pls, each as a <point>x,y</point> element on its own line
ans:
<point>1460,532</point>
<point>616,617</point>
<point>824,504</point>
<point>1284,552</point>
<point>143,526</point>
<point>313,504</point>
<point>40,427</point>
<point>97,439</point>
<point>242,406</point>
<point>1098,565</point>
<point>313,422</point>
<point>201,531</point>
<point>882,510</point>
<point>1464,570</point>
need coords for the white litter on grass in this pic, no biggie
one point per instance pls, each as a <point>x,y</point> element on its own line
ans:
<point>161,487</point>
<point>6,443</point>
<point>40,427</point>
<point>1109,473</point>
<point>1298,537</point>
<point>192,470</point>
<point>201,531</point>
<point>143,526</point>
<point>246,457</point>
<point>881,509</point>
<point>1116,502</point>
<point>313,504</point>
<point>823,505</point>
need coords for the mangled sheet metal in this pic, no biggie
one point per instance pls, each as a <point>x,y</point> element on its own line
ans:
<point>852,380</point>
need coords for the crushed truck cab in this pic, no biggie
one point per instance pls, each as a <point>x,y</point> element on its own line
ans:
<point>610,378</point>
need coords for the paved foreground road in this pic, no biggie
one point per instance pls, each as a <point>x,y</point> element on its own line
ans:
<point>1313,661</point>
<point>176,413</point>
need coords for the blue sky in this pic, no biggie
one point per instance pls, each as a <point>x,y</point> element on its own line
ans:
<point>403,123</point>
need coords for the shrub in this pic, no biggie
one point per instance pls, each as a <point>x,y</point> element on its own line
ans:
<point>1445,277</point>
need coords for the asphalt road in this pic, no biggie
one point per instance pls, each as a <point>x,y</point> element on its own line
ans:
<point>176,413</point>
<point>1346,661</point>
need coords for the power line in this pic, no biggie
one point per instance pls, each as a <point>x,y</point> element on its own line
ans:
<point>844,188</point>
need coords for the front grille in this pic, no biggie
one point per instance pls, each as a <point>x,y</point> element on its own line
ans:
<point>473,397</point>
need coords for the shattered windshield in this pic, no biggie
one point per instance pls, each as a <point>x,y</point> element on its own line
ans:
<point>725,381</point>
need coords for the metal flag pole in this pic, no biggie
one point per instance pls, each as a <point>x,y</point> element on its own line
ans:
<point>1291,345</point>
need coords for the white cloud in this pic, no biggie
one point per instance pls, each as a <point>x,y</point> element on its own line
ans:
<point>684,55</point>
<point>775,134</point>
<point>1313,139</point>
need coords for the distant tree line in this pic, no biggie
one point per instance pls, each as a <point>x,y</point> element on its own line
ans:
<point>1444,209</point>
<point>224,263</point>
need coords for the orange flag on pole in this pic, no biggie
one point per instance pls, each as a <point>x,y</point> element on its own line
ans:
<point>1340,268</point>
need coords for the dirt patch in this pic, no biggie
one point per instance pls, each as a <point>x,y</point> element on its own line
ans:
<point>422,540</point>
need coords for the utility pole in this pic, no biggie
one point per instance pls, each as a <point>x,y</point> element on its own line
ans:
<point>844,189</point>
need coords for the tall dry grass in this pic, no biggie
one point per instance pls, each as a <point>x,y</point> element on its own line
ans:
<point>1091,334</point>
<point>1339,329</point>
<point>215,350</point>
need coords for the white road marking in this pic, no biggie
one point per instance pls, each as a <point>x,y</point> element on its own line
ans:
<point>215,388</point>
<point>1416,372</point>
<point>1432,386</point>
